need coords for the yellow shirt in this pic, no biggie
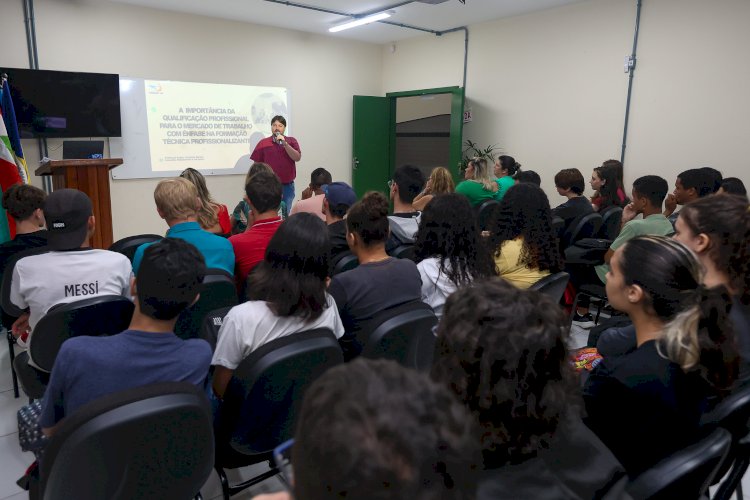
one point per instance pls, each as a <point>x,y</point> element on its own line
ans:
<point>512,270</point>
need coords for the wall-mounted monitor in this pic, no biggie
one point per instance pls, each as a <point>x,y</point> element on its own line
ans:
<point>59,104</point>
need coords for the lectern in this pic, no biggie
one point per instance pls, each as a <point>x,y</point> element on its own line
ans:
<point>91,177</point>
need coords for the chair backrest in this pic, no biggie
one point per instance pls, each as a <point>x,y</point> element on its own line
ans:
<point>263,398</point>
<point>96,316</point>
<point>685,474</point>
<point>128,246</point>
<point>217,291</point>
<point>732,413</point>
<point>611,219</point>
<point>584,226</point>
<point>403,334</point>
<point>403,252</point>
<point>484,212</point>
<point>553,285</point>
<point>211,325</point>
<point>558,226</point>
<point>150,442</point>
<point>346,261</point>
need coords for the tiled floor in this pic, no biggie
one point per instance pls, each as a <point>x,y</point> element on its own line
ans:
<point>13,462</point>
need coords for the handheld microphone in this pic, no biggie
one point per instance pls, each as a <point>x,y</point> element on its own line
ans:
<point>277,134</point>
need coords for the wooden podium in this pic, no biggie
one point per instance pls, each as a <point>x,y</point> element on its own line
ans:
<point>91,177</point>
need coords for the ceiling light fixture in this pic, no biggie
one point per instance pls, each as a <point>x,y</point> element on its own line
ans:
<point>360,21</point>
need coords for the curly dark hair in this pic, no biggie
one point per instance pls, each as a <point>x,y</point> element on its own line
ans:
<point>729,235</point>
<point>524,211</point>
<point>448,231</point>
<point>374,429</point>
<point>292,276</point>
<point>501,350</point>
<point>369,218</point>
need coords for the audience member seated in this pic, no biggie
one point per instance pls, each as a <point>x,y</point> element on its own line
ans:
<point>379,282</point>
<point>312,196</point>
<point>689,186</point>
<point>607,191</point>
<point>242,213</point>
<point>408,181</point>
<point>569,183</point>
<point>212,216</point>
<point>339,196</point>
<point>449,250</point>
<point>147,352</point>
<point>526,248</point>
<point>286,292</point>
<point>478,185</point>
<point>24,203</point>
<point>528,176</point>
<point>263,194</point>
<point>732,185</point>
<point>647,404</point>
<point>648,194</point>
<point>177,203</point>
<point>501,351</point>
<point>506,168</point>
<point>373,429</point>
<point>71,270</point>
<point>440,182</point>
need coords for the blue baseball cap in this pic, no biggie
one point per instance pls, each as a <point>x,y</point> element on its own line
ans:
<point>340,193</point>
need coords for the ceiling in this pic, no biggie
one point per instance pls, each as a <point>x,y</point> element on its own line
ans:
<point>439,17</point>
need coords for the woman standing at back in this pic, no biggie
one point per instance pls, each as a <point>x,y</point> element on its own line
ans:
<point>213,217</point>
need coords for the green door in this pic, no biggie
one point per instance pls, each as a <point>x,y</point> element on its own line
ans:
<point>371,162</point>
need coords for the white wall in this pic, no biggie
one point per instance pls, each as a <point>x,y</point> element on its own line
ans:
<point>549,87</point>
<point>321,73</point>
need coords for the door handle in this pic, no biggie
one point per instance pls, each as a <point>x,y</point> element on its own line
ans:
<point>355,163</point>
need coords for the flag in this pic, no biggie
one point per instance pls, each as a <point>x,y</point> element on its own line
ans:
<point>8,175</point>
<point>11,126</point>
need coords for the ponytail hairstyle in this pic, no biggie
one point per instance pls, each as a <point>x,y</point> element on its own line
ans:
<point>368,219</point>
<point>509,164</point>
<point>729,236</point>
<point>208,211</point>
<point>697,333</point>
<point>482,174</point>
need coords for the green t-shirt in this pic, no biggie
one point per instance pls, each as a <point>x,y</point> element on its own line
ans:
<point>504,184</point>
<point>655,224</point>
<point>475,192</point>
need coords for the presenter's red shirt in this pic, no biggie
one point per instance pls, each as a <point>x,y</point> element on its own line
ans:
<point>250,246</point>
<point>269,151</point>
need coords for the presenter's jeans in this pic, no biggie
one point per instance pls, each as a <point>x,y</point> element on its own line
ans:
<point>287,194</point>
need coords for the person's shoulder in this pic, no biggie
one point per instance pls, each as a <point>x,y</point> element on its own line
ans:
<point>198,348</point>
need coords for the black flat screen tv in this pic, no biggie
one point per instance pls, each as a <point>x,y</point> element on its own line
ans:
<point>58,104</point>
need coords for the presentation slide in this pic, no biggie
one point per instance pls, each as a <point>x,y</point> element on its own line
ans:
<point>169,126</point>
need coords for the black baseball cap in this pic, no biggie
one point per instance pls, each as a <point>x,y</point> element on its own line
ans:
<point>67,213</point>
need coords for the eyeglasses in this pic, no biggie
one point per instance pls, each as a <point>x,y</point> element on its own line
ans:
<point>390,183</point>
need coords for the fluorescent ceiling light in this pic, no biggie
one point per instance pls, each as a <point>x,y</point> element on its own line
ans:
<point>359,22</point>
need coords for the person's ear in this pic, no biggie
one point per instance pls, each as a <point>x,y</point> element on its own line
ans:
<point>133,288</point>
<point>635,294</point>
<point>702,243</point>
<point>91,224</point>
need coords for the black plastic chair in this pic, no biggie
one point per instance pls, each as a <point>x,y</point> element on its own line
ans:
<point>485,213</point>
<point>211,325</point>
<point>553,285</point>
<point>686,474</point>
<point>150,442</point>
<point>558,226</point>
<point>97,316</point>
<point>263,398</point>
<point>217,291</point>
<point>585,226</point>
<point>611,219</point>
<point>346,261</point>
<point>128,246</point>
<point>403,334</point>
<point>403,252</point>
<point>733,414</point>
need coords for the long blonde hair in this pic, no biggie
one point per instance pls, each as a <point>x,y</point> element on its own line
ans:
<point>209,209</point>
<point>441,181</point>
<point>483,175</point>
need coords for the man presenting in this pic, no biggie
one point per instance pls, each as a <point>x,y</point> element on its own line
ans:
<point>281,153</point>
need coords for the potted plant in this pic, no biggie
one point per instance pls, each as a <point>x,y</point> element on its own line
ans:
<point>473,150</point>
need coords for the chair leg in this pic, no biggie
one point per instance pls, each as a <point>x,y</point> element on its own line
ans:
<point>224,482</point>
<point>12,354</point>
